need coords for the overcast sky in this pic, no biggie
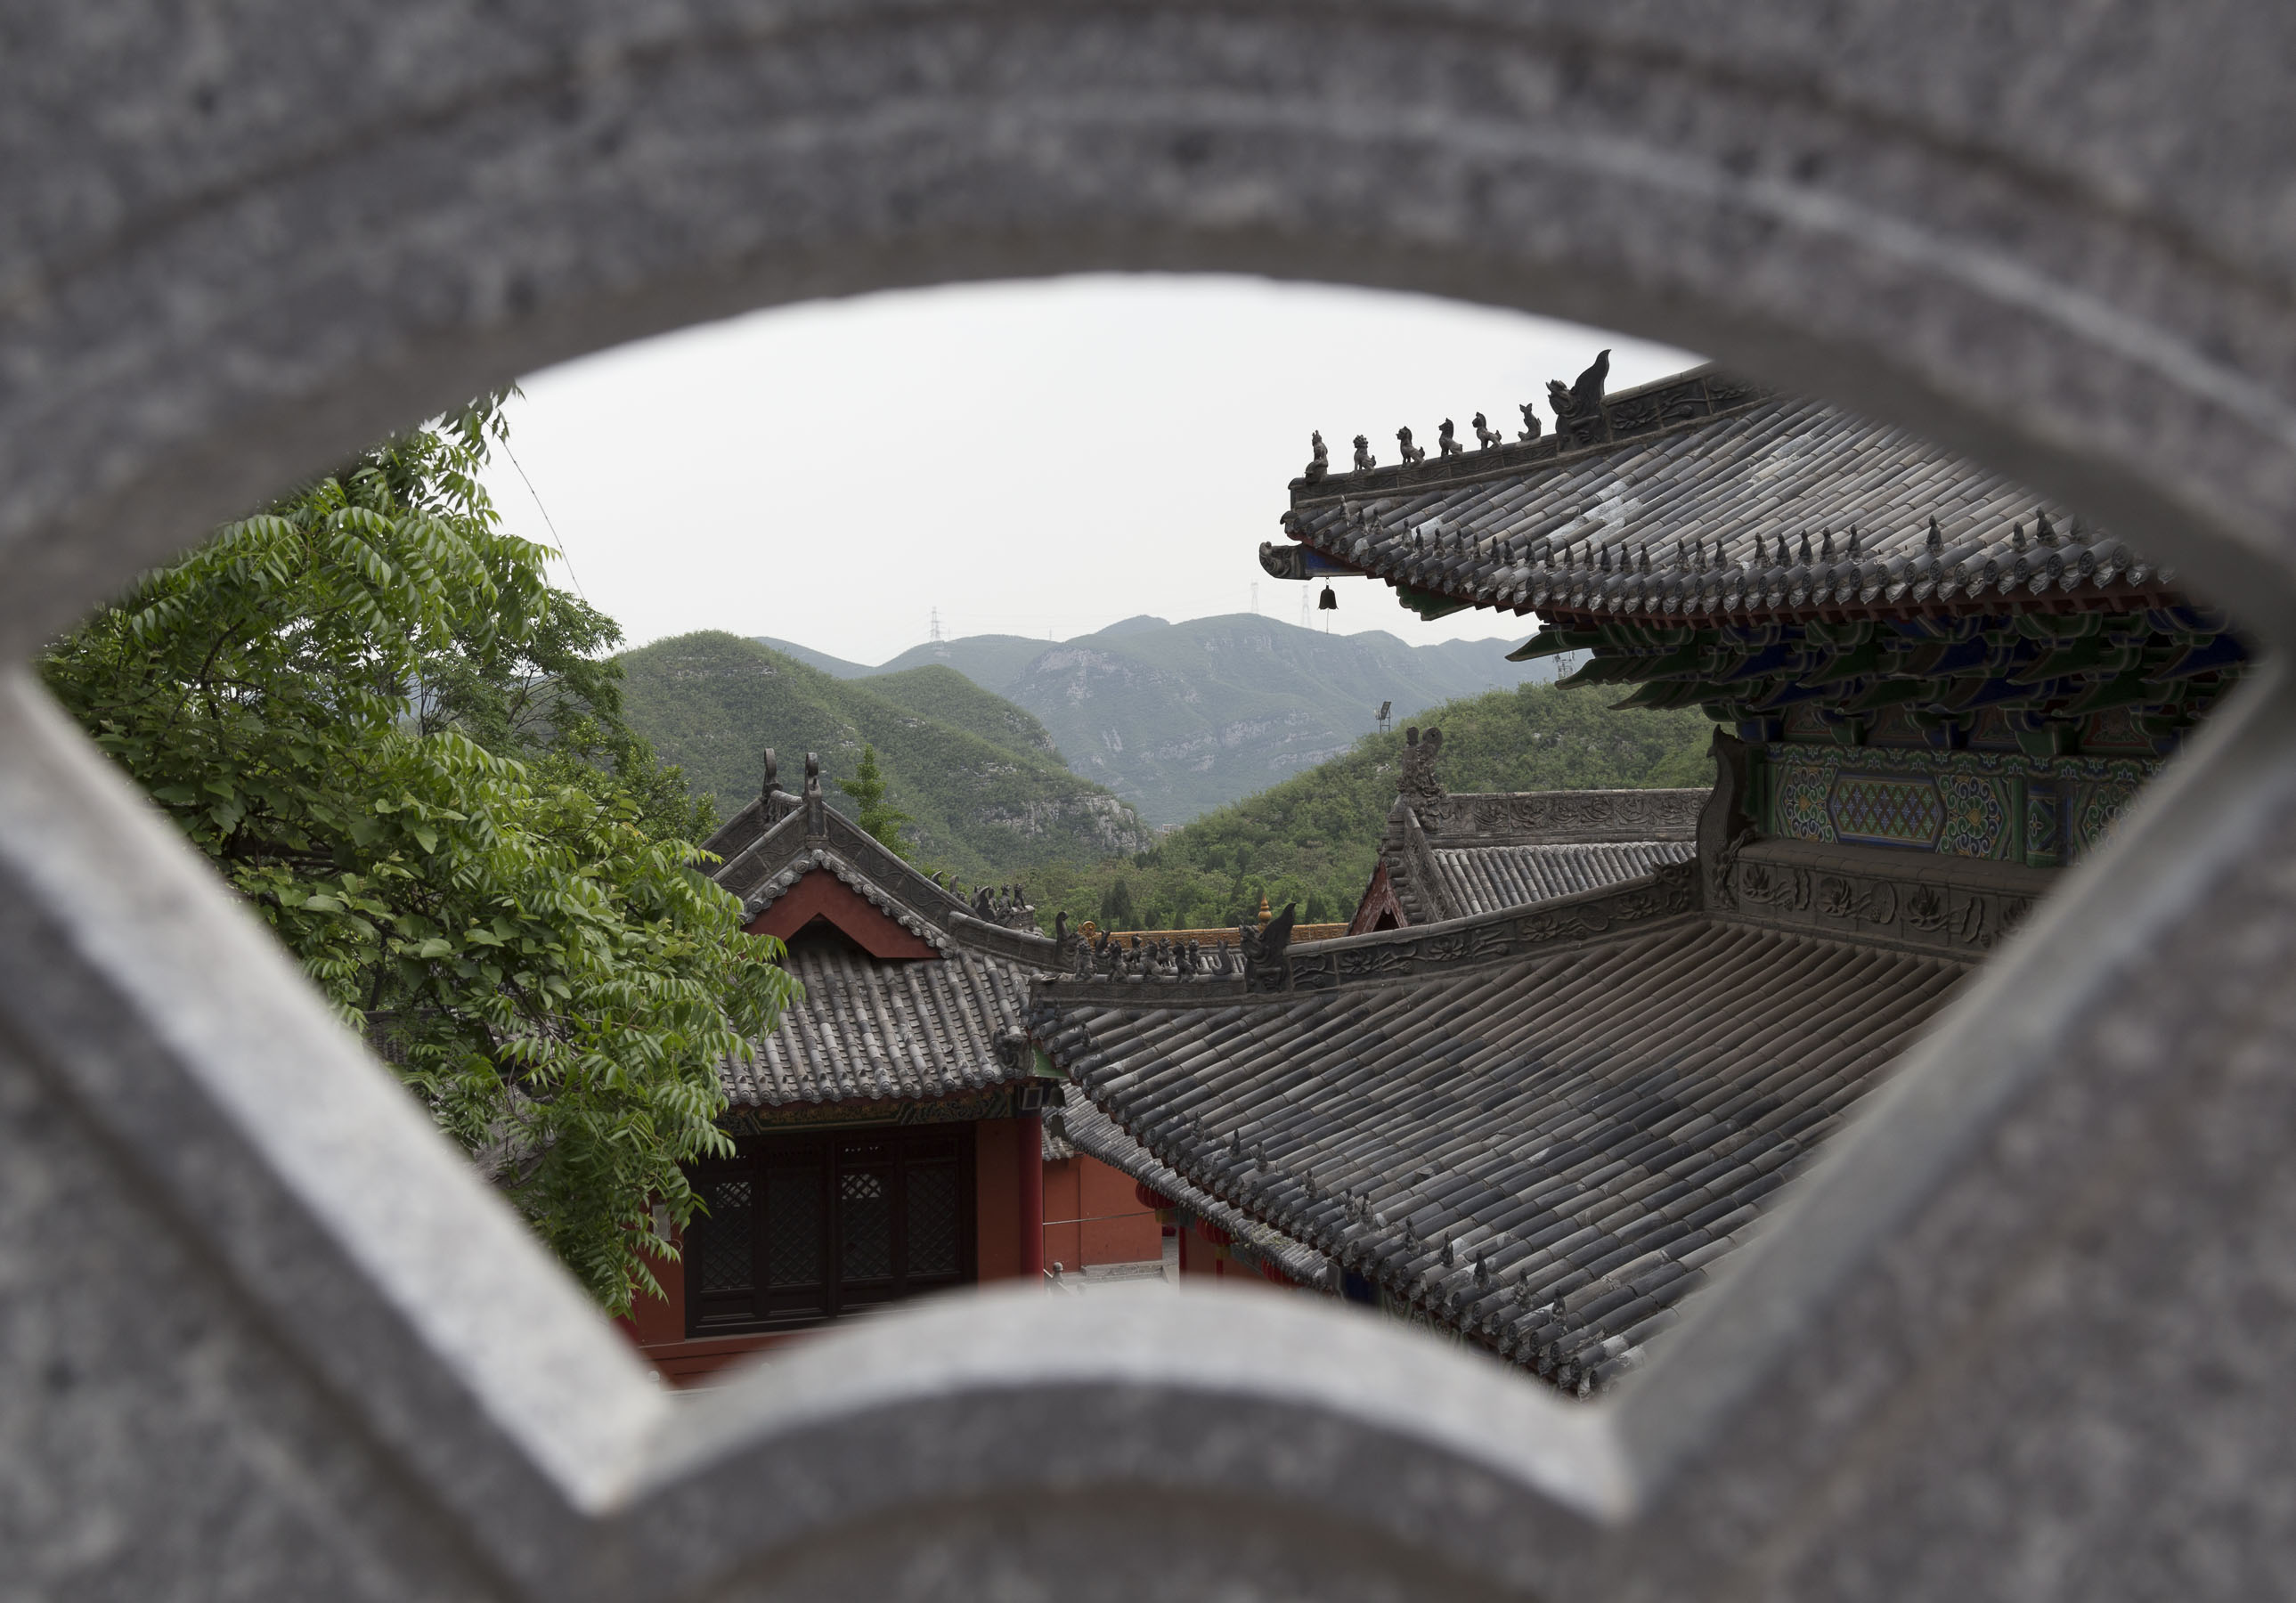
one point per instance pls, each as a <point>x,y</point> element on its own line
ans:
<point>1039,458</point>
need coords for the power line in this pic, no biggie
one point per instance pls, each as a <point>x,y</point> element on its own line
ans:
<point>556,537</point>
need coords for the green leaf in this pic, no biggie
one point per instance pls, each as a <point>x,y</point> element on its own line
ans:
<point>264,688</point>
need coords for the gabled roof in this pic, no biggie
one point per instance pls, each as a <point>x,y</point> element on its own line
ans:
<point>869,1028</point>
<point>1705,496</point>
<point>1452,856</point>
<point>778,838</point>
<point>1538,1128</point>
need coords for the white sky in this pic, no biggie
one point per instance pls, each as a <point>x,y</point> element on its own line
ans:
<point>1033,458</point>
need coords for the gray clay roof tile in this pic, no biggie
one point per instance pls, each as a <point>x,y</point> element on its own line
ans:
<point>1600,1123</point>
<point>1745,463</point>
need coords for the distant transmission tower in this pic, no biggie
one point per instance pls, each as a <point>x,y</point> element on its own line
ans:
<point>1306,600</point>
<point>1385,707</point>
<point>936,625</point>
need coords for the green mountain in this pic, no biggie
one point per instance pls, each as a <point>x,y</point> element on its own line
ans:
<point>1179,718</point>
<point>1315,838</point>
<point>942,693</point>
<point>993,661</point>
<point>836,668</point>
<point>981,777</point>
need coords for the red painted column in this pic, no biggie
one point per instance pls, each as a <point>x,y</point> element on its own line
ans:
<point>1032,1195</point>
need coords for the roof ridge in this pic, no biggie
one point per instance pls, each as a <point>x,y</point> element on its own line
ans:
<point>1714,391</point>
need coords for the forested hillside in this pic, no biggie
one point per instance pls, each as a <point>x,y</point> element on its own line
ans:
<point>1180,718</point>
<point>945,694</point>
<point>979,777</point>
<point>1313,839</point>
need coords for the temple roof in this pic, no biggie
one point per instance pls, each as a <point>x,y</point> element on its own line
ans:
<point>1703,495</point>
<point>1094,1133</point>
<point>1453,855</point>
<point>1538,1128</point>
<point>778,838</point>
<point>865,1028</point>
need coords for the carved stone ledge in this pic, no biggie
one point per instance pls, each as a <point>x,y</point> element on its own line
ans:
<point>1944,906</point>
<point>1561,817</point>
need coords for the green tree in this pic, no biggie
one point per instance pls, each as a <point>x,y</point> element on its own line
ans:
<point>1116,906</point>
<point>370,709</point>
<point>879,817</point>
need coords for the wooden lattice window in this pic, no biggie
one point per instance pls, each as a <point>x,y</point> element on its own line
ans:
<point>804,1228</point>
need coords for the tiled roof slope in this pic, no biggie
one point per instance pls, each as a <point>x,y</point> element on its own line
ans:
<point>1486,879</point>
<point>1703,495</point>
<point>1544,1150</point>
<point>1094,1133</point>
<point>866,1030</point>
<point>1455,856</point>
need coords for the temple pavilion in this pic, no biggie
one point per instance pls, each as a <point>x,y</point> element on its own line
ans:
<point>1450,855</point>
<point>889,1133</point>
<point>1535,1122</point>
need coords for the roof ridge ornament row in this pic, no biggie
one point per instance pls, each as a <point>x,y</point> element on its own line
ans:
<point>1578,412</point>
<point>1586,418</point>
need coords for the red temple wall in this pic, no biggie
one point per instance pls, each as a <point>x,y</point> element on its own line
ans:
<point>1093,1214</point>
<point>820,894</point>
<point>1204,1257</point>
<point>996,1189</point>
<point>657,1325</point>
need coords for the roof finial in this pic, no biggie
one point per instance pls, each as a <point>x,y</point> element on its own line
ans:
<point>1411,453</point>
<point>1853,543</point>
<point>816,810</point>
<point>1577,410</point>
<point>1761,558</point>
<point>1445,442</point>
<point>1937,536</point>
<point>1805,548</point>
<point>1486,437</point>
<point>1645,567</point>
<point>1603,559</point>
<point>1322,464</point>
<point>1419,780</point>
<point>1825,550</point>
<point>1365,460</point>
<point>772,771</point>
<point>2042,530</point>
<point>1531,422</point>
<point>2016,537</point>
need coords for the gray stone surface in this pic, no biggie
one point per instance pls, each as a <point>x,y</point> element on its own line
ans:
<point>2024,1333</point>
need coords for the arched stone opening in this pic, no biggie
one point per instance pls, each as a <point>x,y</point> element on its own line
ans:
<point>280,237</point>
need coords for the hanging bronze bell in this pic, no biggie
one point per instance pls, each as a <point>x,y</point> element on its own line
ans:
<point>1327,601</point>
